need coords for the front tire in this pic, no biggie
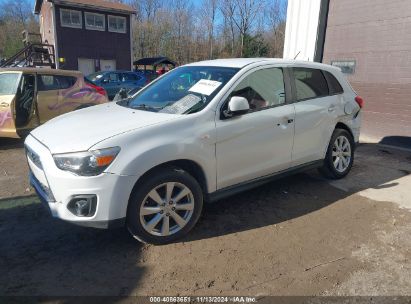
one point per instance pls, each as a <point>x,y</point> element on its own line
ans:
<point>164,207</point>
<point>340,155</point>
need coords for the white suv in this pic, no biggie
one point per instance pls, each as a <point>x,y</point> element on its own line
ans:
<point>200,132</point>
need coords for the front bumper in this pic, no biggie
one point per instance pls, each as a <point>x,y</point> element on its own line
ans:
<point>56,188</point>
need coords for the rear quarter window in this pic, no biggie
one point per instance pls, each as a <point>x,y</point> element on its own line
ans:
<point>333,84</point>
<point>309,83</point>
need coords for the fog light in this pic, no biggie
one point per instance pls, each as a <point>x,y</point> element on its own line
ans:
<point>83,205</point>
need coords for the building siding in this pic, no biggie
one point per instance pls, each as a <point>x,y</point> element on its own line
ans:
<point>82,43</point>
<point>377,35</point>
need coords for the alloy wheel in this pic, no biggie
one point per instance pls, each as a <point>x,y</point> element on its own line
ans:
<point>341,154</point>
<point>167,209</point>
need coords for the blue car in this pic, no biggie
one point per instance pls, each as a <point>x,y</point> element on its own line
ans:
<point>114,81</point>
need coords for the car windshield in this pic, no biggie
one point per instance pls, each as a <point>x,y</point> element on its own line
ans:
<point>182,91</point>
<point>95,77</point>
<point>9,83</point>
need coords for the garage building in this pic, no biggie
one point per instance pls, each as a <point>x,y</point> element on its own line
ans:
<point>88,35</point>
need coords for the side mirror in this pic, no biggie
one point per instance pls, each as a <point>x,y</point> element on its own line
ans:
<point>237,106</point>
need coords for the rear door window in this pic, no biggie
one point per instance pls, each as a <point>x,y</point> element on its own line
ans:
<point>55,82</point>
<point>309,83</point>
<point>65,82</point>
<point>131,77</point>
<point>113,77</point>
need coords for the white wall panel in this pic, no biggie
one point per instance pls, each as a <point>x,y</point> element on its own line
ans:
<point>301,29</point>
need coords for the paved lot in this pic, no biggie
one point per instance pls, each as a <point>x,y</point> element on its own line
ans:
<point>298,236</point>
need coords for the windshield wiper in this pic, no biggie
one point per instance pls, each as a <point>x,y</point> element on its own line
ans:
<point>146,108</point>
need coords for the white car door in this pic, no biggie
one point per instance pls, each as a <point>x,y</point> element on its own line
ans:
<point>259,142</point>
<point>316,114</point>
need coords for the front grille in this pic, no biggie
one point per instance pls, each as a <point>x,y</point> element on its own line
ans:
<point>34,157</point>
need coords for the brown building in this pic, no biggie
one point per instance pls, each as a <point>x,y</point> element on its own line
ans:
<point>88,35</point>
<point>372,40</point>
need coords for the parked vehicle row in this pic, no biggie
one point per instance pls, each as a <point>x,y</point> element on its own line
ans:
<point>199,133</point>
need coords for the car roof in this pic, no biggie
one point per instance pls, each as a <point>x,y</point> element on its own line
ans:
<point>242,62</point>
<point>115,71</point>
<point>43,71</point>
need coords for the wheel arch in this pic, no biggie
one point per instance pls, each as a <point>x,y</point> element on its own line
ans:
<point>341,125</point>
<point>190,166</point>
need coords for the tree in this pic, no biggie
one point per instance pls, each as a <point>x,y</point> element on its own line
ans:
<point>209,10</point>
<point>255,46</point>
<point>244,17</point>
<point>211,29</point>
<point>15,16</point>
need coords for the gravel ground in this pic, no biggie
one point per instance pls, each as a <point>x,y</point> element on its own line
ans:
<point>302,235</point>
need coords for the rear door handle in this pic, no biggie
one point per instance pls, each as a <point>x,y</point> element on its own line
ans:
<point>286,121</point>
<point>4,105</point>
<point>331,108</point>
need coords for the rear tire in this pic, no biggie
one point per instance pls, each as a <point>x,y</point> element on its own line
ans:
<point>340,155</point>
<point>164,207</point>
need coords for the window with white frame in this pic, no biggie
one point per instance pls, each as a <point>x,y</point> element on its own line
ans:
<point>95,21</point>
<point>117,24</point>
<point>71,18</point>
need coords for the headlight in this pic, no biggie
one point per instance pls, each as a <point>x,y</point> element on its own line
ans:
<point>86,163</point>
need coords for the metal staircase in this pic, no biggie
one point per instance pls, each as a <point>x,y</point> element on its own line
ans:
<point>34,54</point>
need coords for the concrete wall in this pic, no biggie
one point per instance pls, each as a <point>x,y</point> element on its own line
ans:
<point>301,29</point>
<point>377,35</point>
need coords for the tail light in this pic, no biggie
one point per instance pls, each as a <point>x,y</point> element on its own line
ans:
<point>98,89</point>
<point>359,101</point>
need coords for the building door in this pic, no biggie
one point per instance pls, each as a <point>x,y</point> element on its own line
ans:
<point>86,66</point>
<point>108,65</point>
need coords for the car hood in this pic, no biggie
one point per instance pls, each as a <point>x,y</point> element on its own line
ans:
<point>82,129</point>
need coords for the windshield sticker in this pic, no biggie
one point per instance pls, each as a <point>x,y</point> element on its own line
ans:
<point>183,105</point>
<point>205,87</point>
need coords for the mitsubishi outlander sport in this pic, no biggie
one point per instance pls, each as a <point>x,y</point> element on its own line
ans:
<point>198,133</point>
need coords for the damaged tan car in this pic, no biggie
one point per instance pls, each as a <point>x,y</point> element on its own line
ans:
<point>31,96</point>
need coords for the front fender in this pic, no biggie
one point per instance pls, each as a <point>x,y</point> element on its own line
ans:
<point>146,149</point>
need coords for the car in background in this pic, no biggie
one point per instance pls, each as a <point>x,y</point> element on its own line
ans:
<point>114,81</point>
<point>30,97</point>
<point>149,74</point>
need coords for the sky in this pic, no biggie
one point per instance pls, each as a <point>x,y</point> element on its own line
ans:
<point>196,2</point>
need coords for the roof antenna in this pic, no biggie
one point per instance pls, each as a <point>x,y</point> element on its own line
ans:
<point>295,57</point>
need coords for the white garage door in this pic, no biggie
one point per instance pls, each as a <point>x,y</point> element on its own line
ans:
<point>86,66</point>
<point>108,65</point>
